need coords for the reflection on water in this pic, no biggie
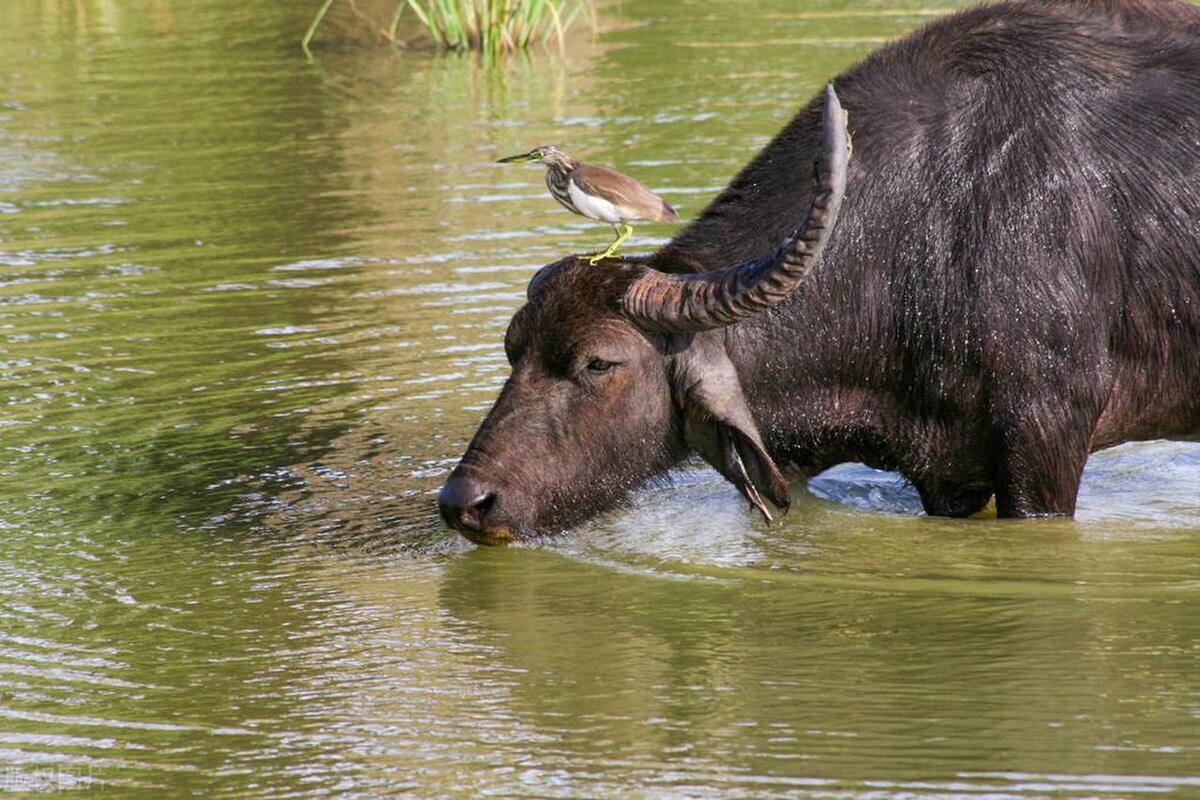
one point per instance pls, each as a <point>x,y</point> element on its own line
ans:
<point>251,309</point>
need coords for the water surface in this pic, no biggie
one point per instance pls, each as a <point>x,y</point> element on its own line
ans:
<point>251,310</point>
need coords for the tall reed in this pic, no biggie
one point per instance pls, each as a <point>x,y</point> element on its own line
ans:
<point>491,26</point>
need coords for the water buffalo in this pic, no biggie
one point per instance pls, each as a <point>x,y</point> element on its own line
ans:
<point>1012,282</point>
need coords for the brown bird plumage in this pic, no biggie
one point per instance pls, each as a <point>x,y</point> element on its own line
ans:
<point>631,198</point>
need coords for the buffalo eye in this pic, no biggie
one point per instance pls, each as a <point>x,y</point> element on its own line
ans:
<point>598,365</point>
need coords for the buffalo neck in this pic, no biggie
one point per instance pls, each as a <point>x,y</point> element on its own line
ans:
<point>814,404</point>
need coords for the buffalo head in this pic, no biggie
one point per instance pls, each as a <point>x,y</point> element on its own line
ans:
<point>619,371</point>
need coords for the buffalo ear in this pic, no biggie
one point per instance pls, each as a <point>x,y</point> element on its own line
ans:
<point>718,424</point>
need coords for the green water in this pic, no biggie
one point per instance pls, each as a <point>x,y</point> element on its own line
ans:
<point>251,310</point>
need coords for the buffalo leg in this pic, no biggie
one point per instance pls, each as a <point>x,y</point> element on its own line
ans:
<point>1038,462</point>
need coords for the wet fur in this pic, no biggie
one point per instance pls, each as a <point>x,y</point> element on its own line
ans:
<point>1014,281</point>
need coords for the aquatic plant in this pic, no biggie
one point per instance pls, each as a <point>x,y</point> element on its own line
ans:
<point>491,26</point>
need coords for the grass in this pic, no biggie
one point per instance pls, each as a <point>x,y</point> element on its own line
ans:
<point>493,27</point>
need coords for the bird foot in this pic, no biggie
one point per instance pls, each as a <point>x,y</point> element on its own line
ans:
<point>596,259</point>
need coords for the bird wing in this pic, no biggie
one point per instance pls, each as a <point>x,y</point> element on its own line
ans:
<point>633,200</point>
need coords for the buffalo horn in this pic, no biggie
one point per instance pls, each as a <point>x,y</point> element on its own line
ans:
<point>699,301</point>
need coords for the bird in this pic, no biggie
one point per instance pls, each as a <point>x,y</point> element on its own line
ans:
<point>598,193</point>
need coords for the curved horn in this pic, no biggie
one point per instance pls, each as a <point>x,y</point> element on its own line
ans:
<point>700,301</point>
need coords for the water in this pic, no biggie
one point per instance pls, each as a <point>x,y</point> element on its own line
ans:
<point>251,310</point>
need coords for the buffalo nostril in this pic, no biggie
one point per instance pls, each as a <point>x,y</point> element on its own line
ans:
<point>476,510</point>
<point>465,503</point>
<point>485,503</point>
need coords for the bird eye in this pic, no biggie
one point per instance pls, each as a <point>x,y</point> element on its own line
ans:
<point>600,365</point>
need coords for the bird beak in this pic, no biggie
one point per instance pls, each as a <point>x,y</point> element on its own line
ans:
<point>518,158</point>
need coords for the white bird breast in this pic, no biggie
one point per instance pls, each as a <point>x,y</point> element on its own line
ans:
<point>594,207</point>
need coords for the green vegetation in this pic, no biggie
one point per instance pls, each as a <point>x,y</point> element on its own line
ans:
<point>491,26</point>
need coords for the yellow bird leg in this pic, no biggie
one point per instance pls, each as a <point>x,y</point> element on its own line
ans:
<point>622,234</point>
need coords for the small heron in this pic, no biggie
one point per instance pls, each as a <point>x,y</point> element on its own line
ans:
<point>597,193</point>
